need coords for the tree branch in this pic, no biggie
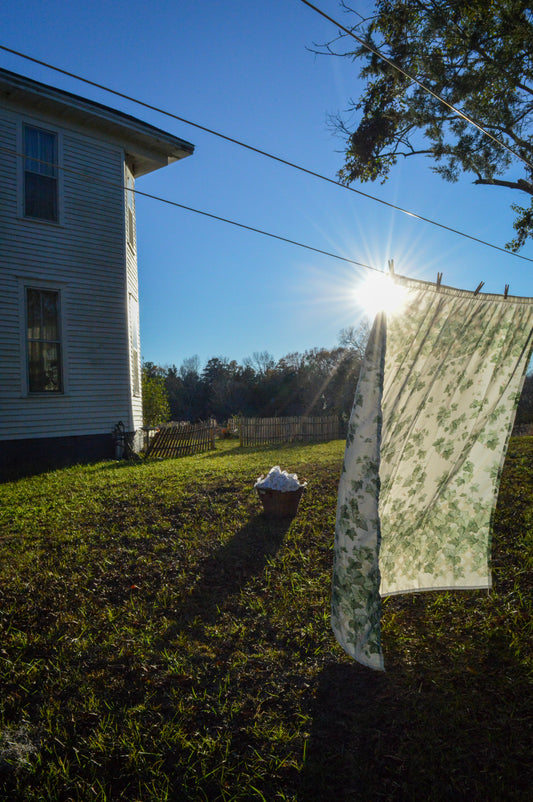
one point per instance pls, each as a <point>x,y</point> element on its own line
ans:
<point>520,184</point>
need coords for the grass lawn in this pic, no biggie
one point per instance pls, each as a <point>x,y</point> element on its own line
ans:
<point>162,640</point>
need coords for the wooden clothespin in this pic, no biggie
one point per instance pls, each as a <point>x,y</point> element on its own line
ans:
<point>391,267</point>
<point>479,287</point>
<point>506,291</point>
<point>439,279</point>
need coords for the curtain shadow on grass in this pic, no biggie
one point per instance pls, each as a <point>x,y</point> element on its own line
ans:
<point>419,734</point>
<point>343,734</point>
<point>225,572</point>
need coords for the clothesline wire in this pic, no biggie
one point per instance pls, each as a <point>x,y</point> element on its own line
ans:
<point>264,153</point>
<point>221,219</point>
<point>255,230</point>
<point>423,86</point>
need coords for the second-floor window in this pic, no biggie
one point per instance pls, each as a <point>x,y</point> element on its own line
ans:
<point>40,174</point>
<point>130,209</point>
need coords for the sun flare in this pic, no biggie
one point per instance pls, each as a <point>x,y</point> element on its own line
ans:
<point>379,293</point>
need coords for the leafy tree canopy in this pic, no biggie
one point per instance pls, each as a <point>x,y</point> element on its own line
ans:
<point>154,394</point>
<point>478,56</point>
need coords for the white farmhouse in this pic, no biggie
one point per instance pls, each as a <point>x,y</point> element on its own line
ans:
<point>69,304</point>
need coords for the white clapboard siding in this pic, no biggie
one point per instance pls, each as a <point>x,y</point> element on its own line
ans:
<point>86,257</point>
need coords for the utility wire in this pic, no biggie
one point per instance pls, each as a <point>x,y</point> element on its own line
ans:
<point>258,231</point>
<point>423,86</point>
<point>264,153</point>
<point>169,202</point>
<point>210,215</point>
<point>117,185</point>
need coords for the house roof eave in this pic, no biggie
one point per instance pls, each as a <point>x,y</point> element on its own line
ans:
<point>149,147</point>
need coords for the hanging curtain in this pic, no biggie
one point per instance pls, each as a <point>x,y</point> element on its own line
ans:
<point>432,415</point>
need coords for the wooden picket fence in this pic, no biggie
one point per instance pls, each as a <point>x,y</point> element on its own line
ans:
<point>182,440</point>
<point>258,431</point>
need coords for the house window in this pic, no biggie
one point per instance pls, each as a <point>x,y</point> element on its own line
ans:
<point>43,336</point>
<point>40,174</point>
<point>134,333</point>
<point>130,209</point>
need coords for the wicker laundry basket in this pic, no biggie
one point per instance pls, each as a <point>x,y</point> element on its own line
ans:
<point>279,503</point>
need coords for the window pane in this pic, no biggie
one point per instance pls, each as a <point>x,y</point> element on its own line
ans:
<point>131,229</point>
<point>40,148</point>
<point>136,380</point>
<point>49,316</point>
<point>33,304</point>
<point>42,314</point>
<point>134,322</point>
<point>134,329</point>
<point>40,196</point>
<point>44,347</point>
<point>129,187</point>
<point>44,367</point>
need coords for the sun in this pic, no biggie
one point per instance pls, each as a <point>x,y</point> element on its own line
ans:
<point>379,293</point>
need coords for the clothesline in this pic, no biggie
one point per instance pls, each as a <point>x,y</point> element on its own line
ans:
<point>439,286</point>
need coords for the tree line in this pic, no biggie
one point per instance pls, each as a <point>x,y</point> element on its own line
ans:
<point>320,381</point>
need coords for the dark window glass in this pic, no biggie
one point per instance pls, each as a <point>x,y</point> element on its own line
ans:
<point>44,344</point>
<point>40,174</point>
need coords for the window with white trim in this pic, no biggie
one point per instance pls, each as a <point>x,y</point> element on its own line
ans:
<point>130,208</point>
<point>43,340</point>
<point>134,335</point>
<point>40,184</point>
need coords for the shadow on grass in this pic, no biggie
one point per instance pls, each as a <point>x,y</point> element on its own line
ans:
<point>421,735</point>
<point>225,572</point>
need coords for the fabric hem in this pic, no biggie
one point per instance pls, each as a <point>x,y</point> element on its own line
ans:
<point>361,660</point>
<point>437,589</point>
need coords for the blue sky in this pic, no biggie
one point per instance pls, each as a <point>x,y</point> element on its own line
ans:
<point>246,69</point>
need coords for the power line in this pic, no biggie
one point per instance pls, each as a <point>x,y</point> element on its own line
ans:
<point>259,231</point>
<point>254,229</point>
<point>210,215</point>
<point>264,153</point>
<point>423,86</point>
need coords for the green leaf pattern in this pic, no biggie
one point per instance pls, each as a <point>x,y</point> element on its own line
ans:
<point>432,415</point>
<point>356,602</point>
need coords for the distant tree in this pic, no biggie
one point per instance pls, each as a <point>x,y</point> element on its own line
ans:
<point>153,371</point>
<point>174,388</point>
<point>475,54</point>
<point>262,362</point>
<point>155,397</point>
<point>329,378</point>
<point>355,338</point>
<point>320,381</point>
<point>190,366</point>
<point>228,387</point>
<point>192,392</point>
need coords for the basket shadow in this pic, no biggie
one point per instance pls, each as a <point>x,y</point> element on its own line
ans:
<point>225,572</point>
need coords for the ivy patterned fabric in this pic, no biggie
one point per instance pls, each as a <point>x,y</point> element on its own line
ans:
<point>432,415</point>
